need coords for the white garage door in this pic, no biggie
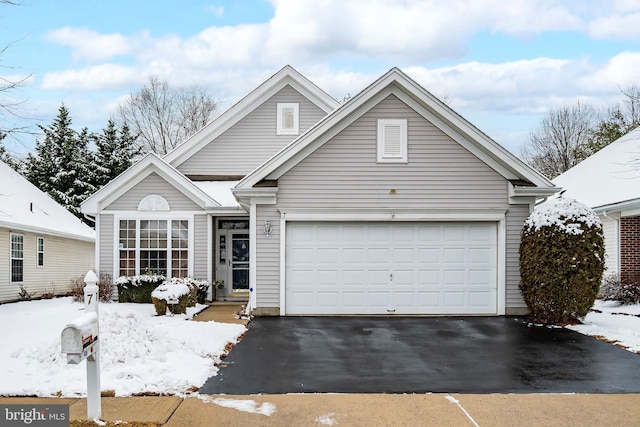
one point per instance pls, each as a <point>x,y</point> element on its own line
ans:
<point>384,268</point>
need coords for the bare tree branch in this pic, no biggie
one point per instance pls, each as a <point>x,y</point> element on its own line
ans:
<point>163,117</point>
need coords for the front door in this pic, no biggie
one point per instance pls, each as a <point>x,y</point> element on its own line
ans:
<point>232,258</point>
<point>239,261</point>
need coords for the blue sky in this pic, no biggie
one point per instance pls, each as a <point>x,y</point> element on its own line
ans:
<point>502,65</point>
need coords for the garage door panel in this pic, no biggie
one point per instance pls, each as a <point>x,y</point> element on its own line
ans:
<point>354,255</point>
<point>377,277</point>
<point>454,278</point>
<point>328,298</point>
<point>403,268</point>
<point>481,277</point>
<point>379,255</point>
<point>481,255</point>
<point>430,300</point>
<point>455,299</point>
<point>403,255</point>
<point>455,255</point>
<point>378,299</point>
<point>480,299</point>
<point>404,299</point>
<point>354,300</point>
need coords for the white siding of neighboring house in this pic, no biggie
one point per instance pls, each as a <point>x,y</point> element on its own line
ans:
<point>268,263</point>
<point>343,173</point>
<point>610,228</point>
<point>153,184</point>
<point>252,140</point>
<point>64,259</point>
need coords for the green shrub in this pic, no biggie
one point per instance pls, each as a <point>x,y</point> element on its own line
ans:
<point>561,261</point>
<point>137,288</point>
<point>624,289</point>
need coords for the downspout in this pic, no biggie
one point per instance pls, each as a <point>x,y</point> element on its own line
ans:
<point>617,221</point>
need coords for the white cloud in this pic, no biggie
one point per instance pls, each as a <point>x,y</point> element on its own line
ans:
<point>89,45</point>
<point>99,77</point>
<point>619,71</point>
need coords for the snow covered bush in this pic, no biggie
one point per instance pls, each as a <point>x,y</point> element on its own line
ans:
<point>185,289</point>
<point>168,292</point>
<point>623,289</point>
<point>561,261</point>
<point>137,288</point>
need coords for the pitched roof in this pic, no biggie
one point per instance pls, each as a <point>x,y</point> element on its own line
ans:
<point>286,76</point>
<point>24,207</point>
<point>609,177</point>
<point>397,83</point>
<point>149,164</point>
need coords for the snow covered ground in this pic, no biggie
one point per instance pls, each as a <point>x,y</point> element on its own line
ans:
<point>142,352</point>
<point>619,324</point>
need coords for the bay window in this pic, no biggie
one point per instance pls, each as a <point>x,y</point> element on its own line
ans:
<point>157,245</point>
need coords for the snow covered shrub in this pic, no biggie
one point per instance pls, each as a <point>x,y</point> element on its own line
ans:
<point>624,289</point>
<point>198,288</point>
<point>137,288</point>
<point>561,261</point>
<point>171,291</point>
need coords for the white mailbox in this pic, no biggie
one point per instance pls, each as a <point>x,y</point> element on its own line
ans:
<point>79,339</point>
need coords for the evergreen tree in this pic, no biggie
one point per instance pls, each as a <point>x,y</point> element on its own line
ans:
<point>4,156</point>
<point>115,153</point>
<point>60,166</point>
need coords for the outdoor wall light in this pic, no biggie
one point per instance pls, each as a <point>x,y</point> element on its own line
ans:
<point>267,228</point>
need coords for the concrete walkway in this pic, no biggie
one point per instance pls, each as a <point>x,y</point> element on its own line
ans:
<point>363,410</point>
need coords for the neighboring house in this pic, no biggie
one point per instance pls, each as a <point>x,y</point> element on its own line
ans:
<point>609,182</point>
<point>390,204</point>
<point>43,245</point>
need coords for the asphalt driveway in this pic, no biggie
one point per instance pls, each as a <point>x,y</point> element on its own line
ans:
<point>420,355</point>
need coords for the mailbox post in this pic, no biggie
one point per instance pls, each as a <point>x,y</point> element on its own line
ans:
<point>79,341</point>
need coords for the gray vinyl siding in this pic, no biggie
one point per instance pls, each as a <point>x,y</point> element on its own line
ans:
<point>106,243</point>
<point>153,184</point>
<point>268,263</point>
<point>516,216</point>
<point>64,259</point>
<point>252,140</point>
<point>610,228</point>
<point>200,248</point>
<point>440,173</point>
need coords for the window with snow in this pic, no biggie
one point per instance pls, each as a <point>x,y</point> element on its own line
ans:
<point>17,258</point>
<point>158,245</point>
<point>287,118</point>
<point>392,141</point>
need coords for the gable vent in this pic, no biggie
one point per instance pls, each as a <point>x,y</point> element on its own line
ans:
<point>392,141</point>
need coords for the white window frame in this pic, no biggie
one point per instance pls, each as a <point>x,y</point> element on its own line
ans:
<point>142,216</point>
<point>13,258</point>
<point>280,129</point>
<point>383,157</point>
<point>39,251</point>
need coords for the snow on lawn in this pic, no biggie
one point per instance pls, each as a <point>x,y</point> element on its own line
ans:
<point>140,352</point>
<point>614,322</point>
